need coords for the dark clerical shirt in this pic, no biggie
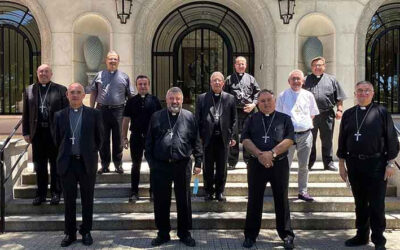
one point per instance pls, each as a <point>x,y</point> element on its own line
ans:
<point>178,143</point>
<point>75,125</point>
<point>281,128</point>
<point>216,111</point>
<point>376,134</point>
<point>326,90</point>
<point>243,87</point>
<point>43,116</point>
<point>140,109</point>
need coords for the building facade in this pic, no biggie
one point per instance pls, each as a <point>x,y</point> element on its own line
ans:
<point>180,42</point>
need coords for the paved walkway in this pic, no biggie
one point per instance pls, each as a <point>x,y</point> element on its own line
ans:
<point>205,239</point>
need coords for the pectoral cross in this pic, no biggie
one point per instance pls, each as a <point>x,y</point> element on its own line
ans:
<point>266,137</point>
<point>171,133</point>
<point>357,135</point>
<point>42,107</point>
<point>72,139</point>
<point>216,116</point>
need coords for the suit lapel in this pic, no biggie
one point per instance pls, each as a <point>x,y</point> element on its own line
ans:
<point>223,102</point>
<point>35,96</point>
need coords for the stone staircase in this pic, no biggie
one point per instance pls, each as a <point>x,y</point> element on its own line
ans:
<point>333,207</point>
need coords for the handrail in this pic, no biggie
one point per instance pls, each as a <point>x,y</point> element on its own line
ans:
<point>3,180</point>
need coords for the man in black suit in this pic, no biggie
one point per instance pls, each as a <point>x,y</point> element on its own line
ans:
<point>41,101</point>
<point>216,118</point>
<point>78,136</point>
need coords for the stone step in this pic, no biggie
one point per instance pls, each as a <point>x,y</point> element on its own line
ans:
<point>201,220</point>
<point>237,176</point>
<point>231,189</point>
<point>233,203</point>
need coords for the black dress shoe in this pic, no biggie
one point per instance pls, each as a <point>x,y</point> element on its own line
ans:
<point>220,197</point>
<point>87,239</point>
<point>103,170</point>
<point>248,243</point>
<point>209,197</point>
<point>133,197</point>
<point>55,199</point>
<point>356,241</point>
<point>159,241</point>
<point>188,241</point>
<point>331,167</point>
<point>38,200</point>
<point>231,167</point>
<point>288,242</point>
<point>68,239</point>
<point>380,247</point>
<point>119,169</point>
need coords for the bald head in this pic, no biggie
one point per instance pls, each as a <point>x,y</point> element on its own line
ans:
<point>75,94</point>
<point>44,74</point>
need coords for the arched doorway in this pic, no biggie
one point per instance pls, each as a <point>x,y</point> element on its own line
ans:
<point>193,41</point>
<point>20,54</point>
<point>383,56</point>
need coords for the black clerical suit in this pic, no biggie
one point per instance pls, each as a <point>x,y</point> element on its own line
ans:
<point>78,168</point>
<point>170,141</point>
<point>38,125</point>
<point>366,152</point>
<point>216,117</point>
<point>277,175</point>
<point>139,109</point>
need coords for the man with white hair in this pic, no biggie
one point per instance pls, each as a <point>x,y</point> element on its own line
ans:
<point>216,116</point>
<point>300,105</point>
<point>172,137</point>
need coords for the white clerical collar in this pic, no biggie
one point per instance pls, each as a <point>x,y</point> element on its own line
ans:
<point>363,108</point>
<point>241,74</point>
<point>318,76</point>
<point>143,96</point>
<point>217,94</point>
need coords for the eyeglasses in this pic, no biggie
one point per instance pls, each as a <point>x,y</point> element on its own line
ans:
<point>364,91</point>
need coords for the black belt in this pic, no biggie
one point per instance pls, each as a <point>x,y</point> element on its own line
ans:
<point>76,157</point>
<point>110,106</point>
<point>302,132</point>
<point>365,157</point>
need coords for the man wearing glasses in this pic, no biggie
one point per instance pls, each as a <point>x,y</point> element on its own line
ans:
<point>328,93</point>
<point>367,148</point>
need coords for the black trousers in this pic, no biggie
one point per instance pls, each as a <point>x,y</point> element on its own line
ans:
<point>233,156</point>
<point>112,121</point>
<point>369,190</point>
<point>325,123</point>
<point>77,174</point>
<point>258,176</point>
<point>44,151</point>
<point>163,174</point>
<point>215,153</point>
<point>137,144</point>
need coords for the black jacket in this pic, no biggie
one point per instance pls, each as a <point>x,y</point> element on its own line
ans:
<point>91,139</point>
<point>57,99</point>
<point>184,143</point>
<point>205,118</point>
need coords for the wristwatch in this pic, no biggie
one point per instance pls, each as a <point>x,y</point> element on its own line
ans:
<point>274,155</point>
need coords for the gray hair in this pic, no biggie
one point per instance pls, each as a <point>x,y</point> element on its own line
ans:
<point>296,71</point>
<point>174,90</point>
<point>364,82</point>
<point>217,73</point>
<point>112,52</point>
